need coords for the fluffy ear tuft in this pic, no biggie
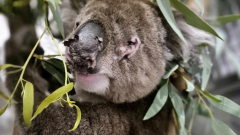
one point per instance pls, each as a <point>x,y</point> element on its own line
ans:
<point>193,36</point>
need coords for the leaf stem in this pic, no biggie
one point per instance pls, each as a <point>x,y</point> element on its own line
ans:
<point>26,63</point>
<point>209,110</point>
<point>65,67</point>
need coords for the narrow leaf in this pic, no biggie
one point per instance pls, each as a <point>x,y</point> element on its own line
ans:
<point>3,110</point>
<point>159,101</point>
<point>3,95</point>
<point>207,67</point>
<point>192,18</point>
<point>227,105</point>
<point>178,106</point>
<point>56,63</point>
<point>168,74</point>
<point>2,67</point>
<point>58,74</point>
<point>210,96</point>
<point>57,17</point>
<point>52,98</point>
<point>53,2</point>
<point>78,118</point>
<point>226,19</point>
<point>28,101</point>
<point>165,7</point>
<point>190,86</point>
<point>221,128</point>
<point>201,5</point>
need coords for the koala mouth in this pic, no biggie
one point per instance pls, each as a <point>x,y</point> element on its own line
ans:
<point>96,83</point>
<point>90,78</point>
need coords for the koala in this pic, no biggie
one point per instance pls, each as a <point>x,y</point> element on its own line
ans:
<point>117,52</point>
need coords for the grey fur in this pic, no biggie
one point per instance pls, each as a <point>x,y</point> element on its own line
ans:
<point>133,81</point>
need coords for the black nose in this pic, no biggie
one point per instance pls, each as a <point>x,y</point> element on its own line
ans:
<point>85,44</point>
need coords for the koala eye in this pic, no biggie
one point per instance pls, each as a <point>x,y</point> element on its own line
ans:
<point>131,43</point>
<point>77,24</point>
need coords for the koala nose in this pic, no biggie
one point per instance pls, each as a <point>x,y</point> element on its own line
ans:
<point>85,45</point>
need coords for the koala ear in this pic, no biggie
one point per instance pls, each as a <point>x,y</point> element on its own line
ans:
<point>193,36</point>
<point>131,47</point>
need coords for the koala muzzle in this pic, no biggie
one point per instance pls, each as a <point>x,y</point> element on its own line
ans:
<point>85,45</point>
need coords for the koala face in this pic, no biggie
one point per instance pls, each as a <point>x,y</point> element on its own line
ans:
<point>119,51</point>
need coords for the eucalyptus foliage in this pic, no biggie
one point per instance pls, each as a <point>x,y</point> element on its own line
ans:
<point>167,92</point>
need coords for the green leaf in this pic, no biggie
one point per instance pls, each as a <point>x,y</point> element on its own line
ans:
<point>56,63</point>
<point>192,18</point>
<point>57,16</point>
<point>168,74</point>
<point>234,60</point>
<point>210,96</point>
<point>52,98</point>
<point>220,128</point>
<point>2,67</point>
<point>28,101</point>
<point>3,110</point>
<point>58,74</point>
<point>207,67</point>
<point>226,19</point>
<point>201,5</point>
<point>53,2</point>
<point>165,7</point>
<point>220,45</point>
<point>158,102</point>
<point>78,118</point>
<point>3,95</point>
<point>178,106</point>
<point>190,86</point>
<point>227,105</point>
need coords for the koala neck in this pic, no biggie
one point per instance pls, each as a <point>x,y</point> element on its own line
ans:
<point>84,96</point>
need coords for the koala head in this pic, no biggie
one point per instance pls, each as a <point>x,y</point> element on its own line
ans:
<point>120,51</point>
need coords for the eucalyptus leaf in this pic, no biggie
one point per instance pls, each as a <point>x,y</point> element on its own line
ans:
<point>58,74</point>
<point>174,89</point>
<point>56,63</point>
<point>207,67</point>
<point>28,101</point>
<point>52,98</point>
<point>178,106</point>
<point>220,45</point>
<point>227,105</point>
<point>165,7</point>
<point>78,118</point>
<point>168,74</point>
<point>226,19</point>
<point>3,95</point>
<point>210,96</point>
<point>4,66</point>
<point>190,86</point>
<point>192,18</point>
<point>220,128</point>
<point>158,103</point>
<point>57,16</point>
<point>3,109</point>
<point>201,5</point>
<point>53,2</point>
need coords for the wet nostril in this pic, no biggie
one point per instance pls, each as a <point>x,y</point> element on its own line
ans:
<point>91,63</point>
